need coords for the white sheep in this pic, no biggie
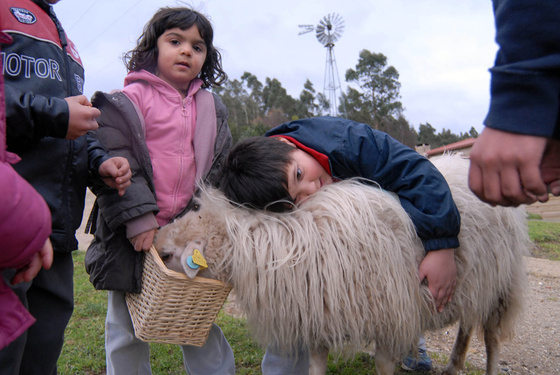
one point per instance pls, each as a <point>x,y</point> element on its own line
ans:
<point>340,272</point>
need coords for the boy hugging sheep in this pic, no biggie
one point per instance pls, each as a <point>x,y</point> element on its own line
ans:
<point>294,160</point>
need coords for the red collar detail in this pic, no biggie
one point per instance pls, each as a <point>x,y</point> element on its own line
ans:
<point>321,158</point>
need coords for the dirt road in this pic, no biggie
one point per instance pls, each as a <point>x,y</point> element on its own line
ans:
<point>536,348</point>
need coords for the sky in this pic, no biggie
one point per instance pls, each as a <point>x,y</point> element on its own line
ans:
<point>442,49</point>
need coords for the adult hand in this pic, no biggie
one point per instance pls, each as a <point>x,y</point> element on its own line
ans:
<point>41,259</point>
<point>506,168</point>
<point>550,166</point>
<point>116,173</point>
<point>82,116</point>
<point>439,269</point>
<point>144,241</point>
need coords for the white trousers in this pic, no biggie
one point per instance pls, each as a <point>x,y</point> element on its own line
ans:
<point>125,354</point>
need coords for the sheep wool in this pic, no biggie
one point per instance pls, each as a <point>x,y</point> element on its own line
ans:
<point>341,271</point>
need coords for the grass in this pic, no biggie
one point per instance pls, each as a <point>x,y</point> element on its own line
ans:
<point>84,351</point>
<point>546,236</point>
<point>84,348</point>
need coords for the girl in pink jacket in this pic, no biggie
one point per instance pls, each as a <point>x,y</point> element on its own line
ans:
<point>174,134</point>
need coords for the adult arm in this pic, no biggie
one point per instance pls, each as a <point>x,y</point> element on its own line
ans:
<point>507,159</point>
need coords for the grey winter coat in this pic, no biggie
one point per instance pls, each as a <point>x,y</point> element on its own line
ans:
<point>111,261</point>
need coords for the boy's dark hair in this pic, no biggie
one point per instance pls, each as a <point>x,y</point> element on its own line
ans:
<point>255,174</point>
<point>145,54</point>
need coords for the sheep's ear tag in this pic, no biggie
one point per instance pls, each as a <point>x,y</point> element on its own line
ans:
<point>196,260</point>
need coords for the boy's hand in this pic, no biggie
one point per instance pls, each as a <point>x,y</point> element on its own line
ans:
<point>440,270</point>
<point>82,116</point>
<point>41,259</point>
<point>143,241</point>
<point>116,173</point>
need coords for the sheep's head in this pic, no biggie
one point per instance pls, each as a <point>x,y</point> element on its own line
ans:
<point>192,244</point>
<point>188,259</point>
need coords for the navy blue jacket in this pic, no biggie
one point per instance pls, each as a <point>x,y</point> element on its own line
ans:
<point>525,85</point>
<point>353,149</point>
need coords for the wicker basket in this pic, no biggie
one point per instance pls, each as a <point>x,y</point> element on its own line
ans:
<point>173,309</point>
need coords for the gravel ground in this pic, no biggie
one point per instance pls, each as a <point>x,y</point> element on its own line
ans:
<point>536,348</point>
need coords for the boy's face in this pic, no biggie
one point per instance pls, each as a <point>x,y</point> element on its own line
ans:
<point>305,176</point>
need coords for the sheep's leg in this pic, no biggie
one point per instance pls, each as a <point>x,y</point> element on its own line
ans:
<point>492,342</point>
<point>459,352</point>
<point>384,361</point>
<point>318,361</point>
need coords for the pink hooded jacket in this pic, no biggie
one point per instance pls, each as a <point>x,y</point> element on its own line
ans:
<point>173,127</point>
<point>25,225</point>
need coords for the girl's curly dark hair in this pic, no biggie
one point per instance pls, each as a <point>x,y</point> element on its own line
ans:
<point>145,54</point>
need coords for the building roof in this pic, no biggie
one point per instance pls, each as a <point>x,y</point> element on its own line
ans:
<point>465,143</point>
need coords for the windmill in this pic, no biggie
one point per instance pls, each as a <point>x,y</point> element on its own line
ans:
<point>328,31</point>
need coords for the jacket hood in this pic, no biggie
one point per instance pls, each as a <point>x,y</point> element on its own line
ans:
<point>159,84</point>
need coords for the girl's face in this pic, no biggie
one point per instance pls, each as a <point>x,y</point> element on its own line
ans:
<point>181,55</point>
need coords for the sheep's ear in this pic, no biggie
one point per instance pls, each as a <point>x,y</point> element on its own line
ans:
<point>193,258</point>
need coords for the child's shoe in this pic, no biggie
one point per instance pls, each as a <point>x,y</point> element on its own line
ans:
<point>421,363</point>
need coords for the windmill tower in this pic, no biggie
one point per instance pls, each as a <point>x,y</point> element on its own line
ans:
<point>328,31</point>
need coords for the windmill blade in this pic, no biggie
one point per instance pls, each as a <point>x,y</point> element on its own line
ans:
<point>337,21</point>
<point>326,22</point>
<point>304,29</point>
<point>323,39</point>
<point>338,32</point>
<point>335,18</point>
<point>329,29</point>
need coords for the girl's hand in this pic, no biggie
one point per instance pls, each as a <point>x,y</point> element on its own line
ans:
<point>143,241</point>
<point>439,269</point>
<point>41,259</point>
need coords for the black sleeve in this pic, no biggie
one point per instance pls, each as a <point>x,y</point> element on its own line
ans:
<point>30,117</point>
